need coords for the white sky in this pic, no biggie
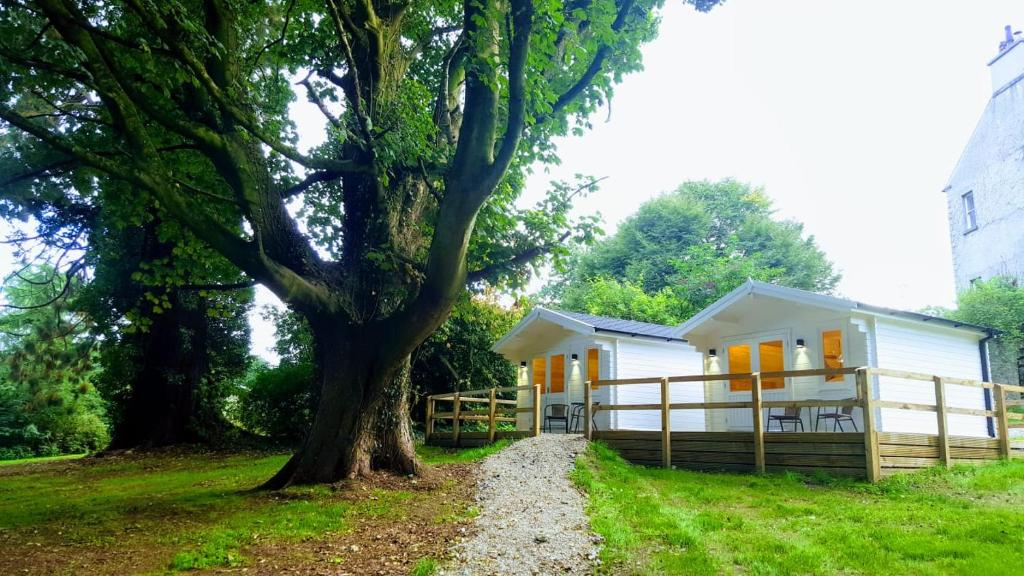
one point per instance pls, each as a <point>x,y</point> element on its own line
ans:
<point>851,114</point>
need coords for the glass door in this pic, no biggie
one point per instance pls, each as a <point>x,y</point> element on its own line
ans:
<point>766,354</point>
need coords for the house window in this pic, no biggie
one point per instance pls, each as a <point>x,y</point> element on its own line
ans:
<point>540,372</point>
<point>739,362</point>
<point>970,216</point>
<point>832,352</point>
<point>593,366</point>
<point>772,360</point>
<point>558,373</point>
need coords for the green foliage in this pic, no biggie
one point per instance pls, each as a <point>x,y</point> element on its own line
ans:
<point>458,355</point>
<point>685,249</point>
<point>996,303</point>
<point>603,296</point>
<point>656,521</point>
<point>48,404</point>
<point>279,402</point>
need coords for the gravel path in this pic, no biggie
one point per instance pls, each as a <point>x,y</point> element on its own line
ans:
<point>531,518</point>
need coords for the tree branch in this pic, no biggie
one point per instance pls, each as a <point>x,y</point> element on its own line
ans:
<point>519,50</point>
<point>308,182</point>
<point>524,257</point>
<point>279,39</point>
<point>593,69</point>
<point>315,99</point>
<point>68,276</point>
<point>219,287</point>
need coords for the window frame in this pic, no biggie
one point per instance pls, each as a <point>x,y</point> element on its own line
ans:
<point>838,380</point>
<point>970,208</point>
<point>561,382</point>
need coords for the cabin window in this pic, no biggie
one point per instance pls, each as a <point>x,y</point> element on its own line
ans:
<point>772,360</point>
<point>739,362</point>
<point>593,366</point>
<point>558,373</point>
<point>832,350</point>
<point>970,216</point>
<point>540,372</point>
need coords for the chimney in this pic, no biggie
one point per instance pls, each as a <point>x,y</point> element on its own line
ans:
<point>1008,66</point>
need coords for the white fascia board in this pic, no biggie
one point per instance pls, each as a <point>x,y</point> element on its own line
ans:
<point>937,324</point>
<point>717,306</point>
<point>566,322</point>
<point>753,287</point>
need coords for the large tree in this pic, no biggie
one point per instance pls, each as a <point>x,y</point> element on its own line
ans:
<point>685,249</point>
<point>169,343</point>
<point>434,111</point>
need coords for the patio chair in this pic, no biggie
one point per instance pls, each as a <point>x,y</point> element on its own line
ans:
<point>556,413</point>
<point>845,414</point>
<point>576,416</point>
<point>791,415</point>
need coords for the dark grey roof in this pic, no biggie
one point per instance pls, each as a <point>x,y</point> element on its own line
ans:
<point>629,327</point>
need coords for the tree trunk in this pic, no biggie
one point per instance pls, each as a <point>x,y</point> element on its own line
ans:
<point>164,405</point>
<point>361,421</point>
<point>391,446</point>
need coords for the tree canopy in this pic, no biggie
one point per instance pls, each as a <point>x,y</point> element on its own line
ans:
<point>995,303</point>
<point>683,250</point>
<point>434,114</point>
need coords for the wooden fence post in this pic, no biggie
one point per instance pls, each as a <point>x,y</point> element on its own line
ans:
<point>1002,421</point>
<point>536,409</point>
<point>491,428</point>
<point>940,413</point>
<point>755,394</point>
<point>666,425</point>
<point>430,418</point>
<point>872,461</point>
<point>456,427</point>
<point>587,410</point>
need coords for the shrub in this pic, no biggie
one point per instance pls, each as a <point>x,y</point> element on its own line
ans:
<point>279,402</point>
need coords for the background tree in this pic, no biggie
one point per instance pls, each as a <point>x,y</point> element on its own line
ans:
<point>170,344</point>
<point>174,341</point>
<point>683,250</point>
<point>443,107</point>
<point>996,303</point>
<point>48,404</point>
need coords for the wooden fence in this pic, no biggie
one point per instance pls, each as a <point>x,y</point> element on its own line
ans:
<point>869,453</point>
<point>496,411</point>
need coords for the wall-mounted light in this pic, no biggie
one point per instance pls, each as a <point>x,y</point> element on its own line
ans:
<point>800,343</point>
<point>575,357</point>
<point>712,353</point>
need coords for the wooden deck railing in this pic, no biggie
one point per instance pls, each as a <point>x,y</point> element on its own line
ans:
<point>1004,418</point>
<point>492,414</point>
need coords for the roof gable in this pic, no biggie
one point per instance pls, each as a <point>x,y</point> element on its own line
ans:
<point>805,298</point>
<point>542,321</point>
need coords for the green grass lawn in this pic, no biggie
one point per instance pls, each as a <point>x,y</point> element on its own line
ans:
<point>173,512</point>
<point>969,520</point>
<point>40,459</point>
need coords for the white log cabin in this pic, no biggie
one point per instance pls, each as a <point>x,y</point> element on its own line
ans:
<point>758,327</point>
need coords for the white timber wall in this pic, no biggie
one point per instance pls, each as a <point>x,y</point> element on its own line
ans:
<point>637,358</point>
<point>931,350</point>
<point>575,378</point>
